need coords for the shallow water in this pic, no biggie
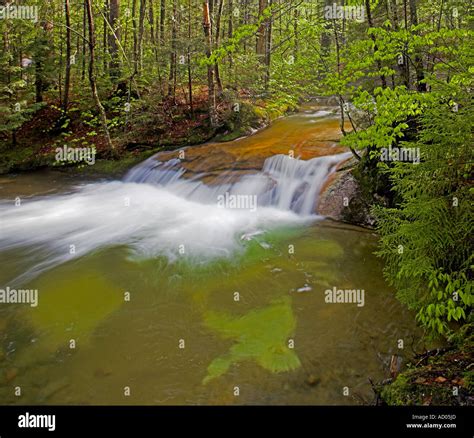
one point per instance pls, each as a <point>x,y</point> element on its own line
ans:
<point>238,317</point>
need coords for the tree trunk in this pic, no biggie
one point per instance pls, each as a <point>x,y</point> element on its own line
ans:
<point>190,82</point>
<point>417,60</point>
<point>105,32</point>
<point>135,37</point>
<point>141,29</point>
<point>230,31</point>
<point>217,38</point>
<point>173,54</point>
<point>68,56</point>
<point>325,42</point>
<point>406,72</point>
<point>151,19</point>
<point>92,80</point>
<point>372,36</point>
<point>114,38</point>
<point>268,50</point>
<point>84,33</point>
<point>210,68</point>
<point>262,31</point>
<point>296,47</point>
<point>162,20</point>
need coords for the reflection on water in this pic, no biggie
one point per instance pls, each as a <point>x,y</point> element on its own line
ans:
<point>260,335</point>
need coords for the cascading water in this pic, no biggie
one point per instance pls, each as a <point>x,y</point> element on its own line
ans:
<point>155,210</point>
<point>285,183</point>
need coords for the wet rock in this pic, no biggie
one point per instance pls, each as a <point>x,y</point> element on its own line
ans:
<point>312,380</point>
<point>341,199</point>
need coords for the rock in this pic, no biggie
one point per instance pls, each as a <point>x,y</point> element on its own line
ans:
<point>341,199</point>
<point>312,380</point>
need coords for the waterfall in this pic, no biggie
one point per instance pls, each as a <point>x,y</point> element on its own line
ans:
<point>156,211</point>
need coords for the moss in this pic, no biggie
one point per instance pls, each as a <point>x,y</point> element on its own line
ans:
<point>21,159</point>
<point>396,393</point>
<point>438,377</point>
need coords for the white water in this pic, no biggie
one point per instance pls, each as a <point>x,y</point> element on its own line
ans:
<point>155,211</point>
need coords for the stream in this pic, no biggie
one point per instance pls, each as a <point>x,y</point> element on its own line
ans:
<point>200,277</point>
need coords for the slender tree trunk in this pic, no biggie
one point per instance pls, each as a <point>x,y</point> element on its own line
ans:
<point>210,70</point>
<point>141,29</point>
<point>60,69</point>
<point>296,47</point>
<point>114,38</point>
<point>372,36</point>
<point>217,39</point>
<point>84,33</point>
<point>105,31</point>
<point>268,50</point>
<point>230,31</point>
<point>405,54</point>
<point>135,37</point>
<point>173,54</point>
<point>417,60</point>
<point>151,19</point>
<point>92,80</point>
<point>162,20</point>
<point>262,31</point>
<point>325,42</point>
<point>190,81</point>
<point>39,83</point>
<point>67,81</point>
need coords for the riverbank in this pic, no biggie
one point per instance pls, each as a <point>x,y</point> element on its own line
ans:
<point>440,377</point>
<point>146,129</point>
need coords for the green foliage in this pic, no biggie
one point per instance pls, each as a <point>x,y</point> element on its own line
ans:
<point>424,240</point>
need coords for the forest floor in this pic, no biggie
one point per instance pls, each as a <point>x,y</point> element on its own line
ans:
<point>147,129</point>
<point>440,377</point>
